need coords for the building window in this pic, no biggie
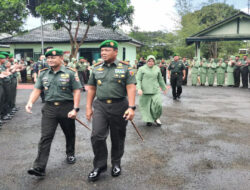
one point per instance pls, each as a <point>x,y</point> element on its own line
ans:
<point>90,54</point>
<point>123,53</point>
<point>23,53</point>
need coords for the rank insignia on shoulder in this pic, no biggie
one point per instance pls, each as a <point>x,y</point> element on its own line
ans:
<point>98,64</point>
<point>123,62</point>
<point>43,69</point>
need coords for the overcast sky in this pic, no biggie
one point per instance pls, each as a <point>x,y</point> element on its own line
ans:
<point>153,15</point>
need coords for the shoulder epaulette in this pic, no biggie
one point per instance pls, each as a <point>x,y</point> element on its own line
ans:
<point>98,64</point>
<point>71,69</point>
<point>43,69</point>
<point>124,62</point>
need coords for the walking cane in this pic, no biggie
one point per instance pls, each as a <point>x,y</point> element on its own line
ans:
<point>132,122</point>
<point>138,132</point>
<point>83,124</point>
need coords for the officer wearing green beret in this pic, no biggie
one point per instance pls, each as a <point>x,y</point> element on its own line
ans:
<point>111,81</point>
<point>62,95</point>
<point>176,74</point>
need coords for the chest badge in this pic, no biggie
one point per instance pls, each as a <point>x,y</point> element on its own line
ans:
<point>99,82</point>
<point>100,69</point>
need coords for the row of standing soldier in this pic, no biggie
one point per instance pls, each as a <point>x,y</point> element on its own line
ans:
<point>8,84</point>
<point>204,71</point>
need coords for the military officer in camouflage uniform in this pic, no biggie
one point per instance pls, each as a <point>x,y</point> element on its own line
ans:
<point>62,95</point>
<point>176,74</point>
<point>111,81</point>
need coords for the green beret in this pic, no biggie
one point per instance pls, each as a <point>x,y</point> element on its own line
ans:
<point>151,57</point>
<point>4,53</point>
<point>109,43</point>
<point>2,56</point>
<point>54,52</point>
<point>81,57</point>
<point>11,55</point>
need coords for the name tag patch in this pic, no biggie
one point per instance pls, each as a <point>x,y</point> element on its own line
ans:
<point>119,71</point>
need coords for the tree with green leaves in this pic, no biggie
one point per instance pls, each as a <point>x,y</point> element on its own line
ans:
<point>158,43</point>
<point>196,21</point>
<point>12,15</point>
<point>71,14</point>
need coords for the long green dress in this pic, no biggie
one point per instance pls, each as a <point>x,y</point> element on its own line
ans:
<point>203,72</point>
<point>211,72</point>
<point>230,73</point>
<point>195,71</point>
<point>221,69</point>
<point>150,80</point>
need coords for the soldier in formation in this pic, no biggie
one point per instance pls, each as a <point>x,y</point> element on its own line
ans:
<point>8,84</point>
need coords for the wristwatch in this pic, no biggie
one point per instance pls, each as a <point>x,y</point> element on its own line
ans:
<point>77,109</point>
<point>132,107</point>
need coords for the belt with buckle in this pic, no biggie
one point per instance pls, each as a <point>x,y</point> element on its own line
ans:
<point>175,73</point>
<point>58,103</point>
<point>111,100</point>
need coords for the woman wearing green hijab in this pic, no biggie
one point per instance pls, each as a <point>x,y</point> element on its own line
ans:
<point>149,82</point>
